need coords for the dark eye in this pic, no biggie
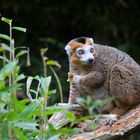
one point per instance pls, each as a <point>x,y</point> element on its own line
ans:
<point>80,52</point>
<point>91,50</point>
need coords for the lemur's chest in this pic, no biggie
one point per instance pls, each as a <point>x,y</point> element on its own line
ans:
<point>81,71</point>
<point>95,92</point>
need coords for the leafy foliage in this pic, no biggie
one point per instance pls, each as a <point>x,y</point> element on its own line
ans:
<point>27,118</point>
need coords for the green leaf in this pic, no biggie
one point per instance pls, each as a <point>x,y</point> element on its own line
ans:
<point>4,131</point>
<point>28,62</point>
<point>28,85</point>
<point>50,92</point>
<point>37,77</point>
<point>5,96</point>
<point>55,137</point>
<point>53,109</point>
<point>59,83</point>
<point>6,37</point>
<point>7,69</point>
<point>83,118</point>
<point>29,110</point>
<point>22,52</point>
<point>33,91</point>
<point>54,63</point>
<point>19,134</point>
<point>69,131</point>
<point>6,47</point>
<point>19,107</point>
<point>19,29</point>
<point>2,111</point>
<point>2,85</point>
<point>70,116</point>
<point>20,77</point>
<point>6,20</point>
<point>1,49</point>
<point>45,83</point>
<point>99,103</point>
<point>43,51</point>
<point>16,86</point>
<point>26,125</point>
<point>12,115</point>
<point>3,58</point>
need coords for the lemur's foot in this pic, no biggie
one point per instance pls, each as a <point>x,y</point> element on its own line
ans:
<point>111,122</point>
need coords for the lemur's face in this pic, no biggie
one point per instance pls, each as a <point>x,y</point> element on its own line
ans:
<point>81,51</point>
<point>85,54</point>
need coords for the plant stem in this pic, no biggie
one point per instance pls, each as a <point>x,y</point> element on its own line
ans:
<point>10,77</point>
<point>44,119</point>
<point>45,68</point>
<point>44,61</point>
<point>14,70</point>
<point>59,84</point>
<point>4,55</point>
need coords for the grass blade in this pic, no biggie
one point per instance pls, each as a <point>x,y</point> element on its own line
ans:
<point>6,37</point>
<point>6,20</point>
<point>59,84</point>
<point>19,29</point>
<point>7,69</point>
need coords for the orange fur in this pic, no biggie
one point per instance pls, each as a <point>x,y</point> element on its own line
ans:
<point>74,59</point>
<point>88,42</point>
<point>74,45</point>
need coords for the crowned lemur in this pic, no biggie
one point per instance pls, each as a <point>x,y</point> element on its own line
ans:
<point>103,72</point>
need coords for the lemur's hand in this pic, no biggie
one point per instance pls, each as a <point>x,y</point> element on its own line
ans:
<point>77,79</point>
<point>72,78</point>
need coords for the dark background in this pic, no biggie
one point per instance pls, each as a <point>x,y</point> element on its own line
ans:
<point>52,23</point>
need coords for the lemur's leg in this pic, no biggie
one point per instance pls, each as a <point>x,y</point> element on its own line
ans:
<point>92,79</point>
<point>122,87</point>
<point>119,111</point>
<point>73,99</point>
<point>74,94</point>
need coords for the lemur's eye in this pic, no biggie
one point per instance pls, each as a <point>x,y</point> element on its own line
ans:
<point>80,52</point>
<point>91,50</point>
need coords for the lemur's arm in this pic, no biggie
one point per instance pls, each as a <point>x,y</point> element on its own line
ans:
<point>91,79</point>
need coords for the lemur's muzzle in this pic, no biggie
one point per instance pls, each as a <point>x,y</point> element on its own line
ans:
<point>90,60</point>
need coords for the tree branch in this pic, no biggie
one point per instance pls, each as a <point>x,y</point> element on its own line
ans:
<point>127,124</point>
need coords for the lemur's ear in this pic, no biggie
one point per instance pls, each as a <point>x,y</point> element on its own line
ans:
<point>68,49</point>
<point>91,40</point>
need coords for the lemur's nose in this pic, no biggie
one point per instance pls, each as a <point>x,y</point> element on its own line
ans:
<point>90,60</point>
